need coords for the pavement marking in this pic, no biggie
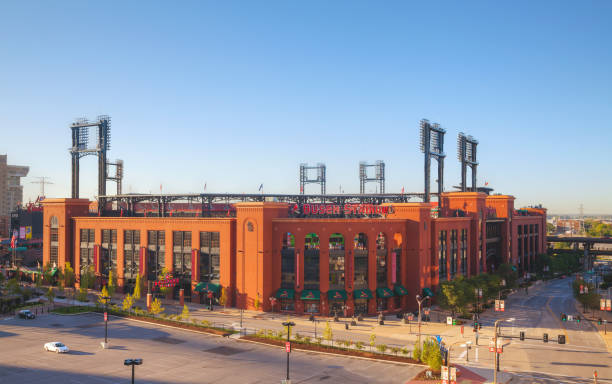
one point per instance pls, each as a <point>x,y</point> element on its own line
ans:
<point>558,321</point>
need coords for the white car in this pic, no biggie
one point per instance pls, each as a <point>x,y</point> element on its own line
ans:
<point>57,347</point>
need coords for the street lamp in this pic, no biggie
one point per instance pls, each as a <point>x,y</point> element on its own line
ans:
<point>496,360</point>
<point>420,300</point>
<point>132,362</point>
<point>288,324</point>
<point>106,299</point>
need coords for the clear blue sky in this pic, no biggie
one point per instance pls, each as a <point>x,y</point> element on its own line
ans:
<point>236,94</point>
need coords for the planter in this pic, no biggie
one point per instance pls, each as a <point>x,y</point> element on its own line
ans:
<point>330,349</point>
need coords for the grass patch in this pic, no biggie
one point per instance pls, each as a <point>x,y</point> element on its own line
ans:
<point>72,310</point>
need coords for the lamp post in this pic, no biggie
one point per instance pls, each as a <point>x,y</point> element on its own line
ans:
<point>288,324</point>
<point>420,300</point>
<point>106,299</point>
<point>132,362</point>
<point>496,359</point>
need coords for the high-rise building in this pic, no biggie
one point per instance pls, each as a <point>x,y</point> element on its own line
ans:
<point>11,191</point>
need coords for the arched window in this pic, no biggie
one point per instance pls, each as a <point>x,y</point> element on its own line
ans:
<point>288,261</point>
<point>381,260</point>
<point>311,261</point>
<point>396,258</point>
<point>54,246</point>
<point>360,257</point>
<point>336,261</point>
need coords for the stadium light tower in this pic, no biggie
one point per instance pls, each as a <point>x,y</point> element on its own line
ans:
<point>466,153</point>
<point>432,145</point>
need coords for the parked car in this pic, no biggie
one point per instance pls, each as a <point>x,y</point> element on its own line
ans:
<point>26,314</point>
<point>57,347</point>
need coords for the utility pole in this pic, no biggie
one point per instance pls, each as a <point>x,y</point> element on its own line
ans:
<point>420,300</point>
<point>42,181</point>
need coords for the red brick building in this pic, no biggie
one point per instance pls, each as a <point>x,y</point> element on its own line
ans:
<point>305,257</point>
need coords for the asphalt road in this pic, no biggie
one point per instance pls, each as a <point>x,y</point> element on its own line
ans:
<point>170,356</point>
<point>535,361</point>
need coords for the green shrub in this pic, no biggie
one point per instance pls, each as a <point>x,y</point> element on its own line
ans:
<point>307,339</point>
<point>405,351</point>
<point>395,350</point>
<point>417,352</point>
<point>381,348</point>
<point>359,345</point>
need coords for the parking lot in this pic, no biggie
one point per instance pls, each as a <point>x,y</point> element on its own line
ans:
<point>170,356</point>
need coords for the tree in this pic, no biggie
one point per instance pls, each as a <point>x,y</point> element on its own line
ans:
<point>38,281</point>
<point>137,287</point>
<point>162,275</point>
<point>185,313</point>
<point>416,352</point>
<point>87,277</point>
<point>50,295</point>
<point>102,295</point>
<point>128,302</point>
<point>507,273</point>
<point>223,298</point>
<point>328,333</point>
<point>257,303</point>
<point>550,228</point>
<point>47,276</point>
<point>111,283</point>
<point>13,286</point>
<point>69,276</point>
<point>455,294</point>
<point>156,307</point>
<point>372,340</point>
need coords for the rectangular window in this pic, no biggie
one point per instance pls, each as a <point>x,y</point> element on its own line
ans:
<point>156,249</point>
<point>182,254</point>
<point>464,266</point>
<point>87,240</point>
<point>108,252</point>
<point>210,269</point>
<point>131,249</point>
<point>442,255</point>
<point>381,267</point>
<point>453,260</point>
<point>520,229</point>
<point>54,248</point>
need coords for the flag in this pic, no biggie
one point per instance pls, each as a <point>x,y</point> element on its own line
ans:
<point>121,214</point>
<point>204,186</point>
<point>402,190</point>
<point>13,241</point>
<point>486,183</point>
<point>160,189</point>
<point>260,187</point>
<point>301,189</point>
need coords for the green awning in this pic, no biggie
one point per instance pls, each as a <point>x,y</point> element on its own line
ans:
<point>383,293</point>
<point>428,292</point>
<point>285,294</point>
<point>311,294</point>
<point>362,294</point>
<point>514,268</point>
<point>54,271</point>
<point>207,287</point>
<point>336,294</point>
<point>400,290</point>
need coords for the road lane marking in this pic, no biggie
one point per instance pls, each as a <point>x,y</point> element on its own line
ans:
<point>558,321</point>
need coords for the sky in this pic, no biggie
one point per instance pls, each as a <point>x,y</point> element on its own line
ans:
<point>237,94</point>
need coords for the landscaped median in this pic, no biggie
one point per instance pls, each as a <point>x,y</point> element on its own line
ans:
<point>174,321</point>
<point>341,347</point>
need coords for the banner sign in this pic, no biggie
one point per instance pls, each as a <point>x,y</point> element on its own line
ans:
<point>334,209</point>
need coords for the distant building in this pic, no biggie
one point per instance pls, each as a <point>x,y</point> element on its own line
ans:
<point>11,191</point>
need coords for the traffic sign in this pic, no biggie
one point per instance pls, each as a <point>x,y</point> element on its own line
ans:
<point>287,346</point>
<point>410,317</point>
<point>449,320</point>
<point>570,318</point>
<point>444,373</point>
<point>105,316</point>
<point>502,305</point>
<point>453,375</point>
<point>427,311</point>
<point>608,305</point>
<point>581,289</point>
<point>602,304</point>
